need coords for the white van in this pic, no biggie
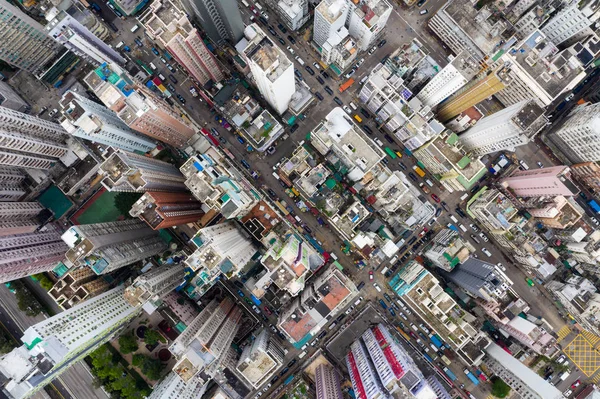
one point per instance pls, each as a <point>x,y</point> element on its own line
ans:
<point>464,196</point>
<point>276,175</point>
<point>462,227</point>
<point>153,66</point>
<point>379,143</point>
<point>429,183</point>
<point>245,3</point>
<point>453,218</point>
<point>300,60</point>
<point>258,6</point>
<point>485,251</point>
<point>353,106</point>
<point>300,356</point>
<point>120,45</point>
<point>385,269</point>
<point>160,75</point>
<point>135,27</point>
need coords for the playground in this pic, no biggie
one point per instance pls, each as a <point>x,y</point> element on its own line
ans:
<point>100,208</point>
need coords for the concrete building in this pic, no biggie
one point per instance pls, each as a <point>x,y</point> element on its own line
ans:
<point>105,247</point>
<point>380,367</point>
<point>367,20</point>
<point>128,172</point>
<point>565,24</point>
<point>588,174</point>
<point>330,17</point>
<point>521,378</point>
<point>168,25</point>
<point>421,292</point>
<point>173,387</point>
<point>139,107</point>
<point>30,142</point>
<point>555,212</point>
<point>480,279</point>
<point>204,348</point>
<point>293,13</point>
<point>260,360</point>
<point>538,70</point>
<point>161,210</point>
<point>94,122</point>
<point>154,285</point>
<point>262,131</point>
<point>30,253</point>
<point>355,150</point>
<point>579,297</point>
<point>579,137</point>
<point>74,36</point>
<point>553,180</point>
<point>448,250</point>
<point>51,346</point>
<point>271,70</point>
<point>12,184</point>
<point>327,381</point>
<point>482,87</point>
<point>19,217</point>
<point>340,50</point>
<point>77,286</point>
<point>10,99</point>
<point>220,19</point>
<point>385,94</point>
<point>222,249</point>
<point>450,79</point>
<point>219,185</point>
<point>504,130</point>
<point>27,48</point>
<point>449,164</point>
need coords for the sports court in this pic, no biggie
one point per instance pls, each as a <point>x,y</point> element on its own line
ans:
<point>98,209</point>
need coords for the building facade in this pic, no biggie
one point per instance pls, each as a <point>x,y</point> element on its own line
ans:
<point>94,122</point>
<point>327,381</point>
<point>579,137</point>
<point>161,210</point>
<point>553,180</point>
<point>220,19</point>
<point>367,20</point>
<point>154,284</point>
<point>261,360</point>
<point>77,286</point>
<point>565,24</point>
<point>330,17</point>
<point>9,98</point>
<point>19,217</point>
<point>587,173</point>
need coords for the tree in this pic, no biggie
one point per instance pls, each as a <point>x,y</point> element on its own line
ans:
<point>44,281</point>
<point>152,368</point>
<point>124,201</point>
<point>6,344</point>
<point>500,389</point>
<point>151,337</point>
<point>138,360</point>
<point>128,343</point>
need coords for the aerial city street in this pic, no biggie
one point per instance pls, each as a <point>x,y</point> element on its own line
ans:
<point>289,199</point>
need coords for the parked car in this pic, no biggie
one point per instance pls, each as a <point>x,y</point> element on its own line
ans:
<point>381,43</point>
<point>328,90</point>
<point>435,198</point>
<point>338,101</point>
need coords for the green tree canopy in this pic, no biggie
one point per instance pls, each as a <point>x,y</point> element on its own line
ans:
<point>124,201</point>
<point>500,389</point>
<point>128,343</point>
<point>152,368</point>
<point>138,360</point>
<point>152,337</point>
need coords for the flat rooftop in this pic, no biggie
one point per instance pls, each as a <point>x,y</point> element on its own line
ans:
<point>266,54</point>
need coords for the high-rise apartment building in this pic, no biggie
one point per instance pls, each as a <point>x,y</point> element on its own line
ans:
<point>220,19</point>
<point>504,130</point>
<point>129,172</point>
<point>51,346</point>
<point>163,209</point>
<point>76,286</point>
<point>472,93</point>
<point>94,122</point>
<point>154,284</point>
<point>450,79</point>
<point>32,253</point>
<point>139,107</point>
<point>221,249</point>
<point>173,387</point>
<point>105,247</point>
<point>327,381</point>
<point>19,217</point>
<point>218,184</point>
<point>565,24</point>
<point>9,98</point>
<point>587,173</point>
<point>579,137</point>
<point>260,360</point>
<point>554,180</point>
<point>205,346</point>
<point>11,184</point>
<point>25,43</point>
<point>169,26</point>
<point>271,70</point>
<point>74,36</point>
<point>293,13</point>
<point>367,21</point>
<point>30,142</point>
<point>524,381</point>
<point>330,17</point>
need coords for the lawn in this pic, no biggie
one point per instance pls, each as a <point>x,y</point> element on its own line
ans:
<point>101,211</point>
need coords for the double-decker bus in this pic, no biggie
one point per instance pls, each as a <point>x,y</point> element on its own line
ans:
<point>391,153</point>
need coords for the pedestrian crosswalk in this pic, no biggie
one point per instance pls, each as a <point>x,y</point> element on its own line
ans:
<point>563,332</point>
<point>592,338</point>
<point>595,378</point>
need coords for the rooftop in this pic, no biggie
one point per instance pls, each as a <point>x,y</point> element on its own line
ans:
<point>331,10</point>
<point>264,53</point>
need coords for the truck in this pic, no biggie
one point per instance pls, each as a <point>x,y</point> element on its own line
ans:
<point>346,84</point>
<point>383,304</point>
<point>436,341</point>
<point>419,171</point>
<point>449,373</point>
<point>594,205</point>
<point>565,375</point>
<point>470,376</point>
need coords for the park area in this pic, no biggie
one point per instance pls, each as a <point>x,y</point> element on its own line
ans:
<point>100,208</point>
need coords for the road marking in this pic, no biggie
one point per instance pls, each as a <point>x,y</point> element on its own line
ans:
<point>563,333</point>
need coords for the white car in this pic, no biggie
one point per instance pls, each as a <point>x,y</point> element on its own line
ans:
<point>265,15</point>
<point>483,237</point>
<point>377,287</point>
<point>347,109</point>
<point>501,267</point>
<point>373,49</point>
<point>291,50</point>
<point>316,66</point>
<point>475,228</point>
<point>485,251</point>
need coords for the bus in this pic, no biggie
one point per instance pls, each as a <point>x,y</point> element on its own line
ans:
<point>358,118</point>
<point>210,137</point>
<point>419,171</point>
<point>144,67</point>
<point>391,153</point>
<point>346,84</point>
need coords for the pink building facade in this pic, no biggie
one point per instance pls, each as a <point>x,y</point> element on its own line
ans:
<point>555,180</point>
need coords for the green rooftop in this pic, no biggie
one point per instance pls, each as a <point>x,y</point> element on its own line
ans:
<point>452,139</point>
<point>464,162</point>
<point>56,201</point>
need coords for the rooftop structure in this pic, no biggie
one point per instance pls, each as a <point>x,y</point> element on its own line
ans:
<point>330,16</point>
<point>272,71</point>
<point>480,279</point>
<point>77,286</point>
<point>367,21</point>
<point>580,298</point>
<point>448,163</point>
<point>161,210</point>
<point>292,13</point>
<point>356,151</point>
<point>553,180</point>
<point>340,50</point>
<point>448,250</point>
<point>421,291</point>
<point>137,106</point>
<point>410,122</point>
<point>129,172</point>
<point>556,212</point>
<point>320,302</point>
<point>262,131</point>
<point>215,182</point>
<point>168,25</point>
<point>154,284</point>
<point>530,335</point>
<point>504,130</point>
<point>261,359</point>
